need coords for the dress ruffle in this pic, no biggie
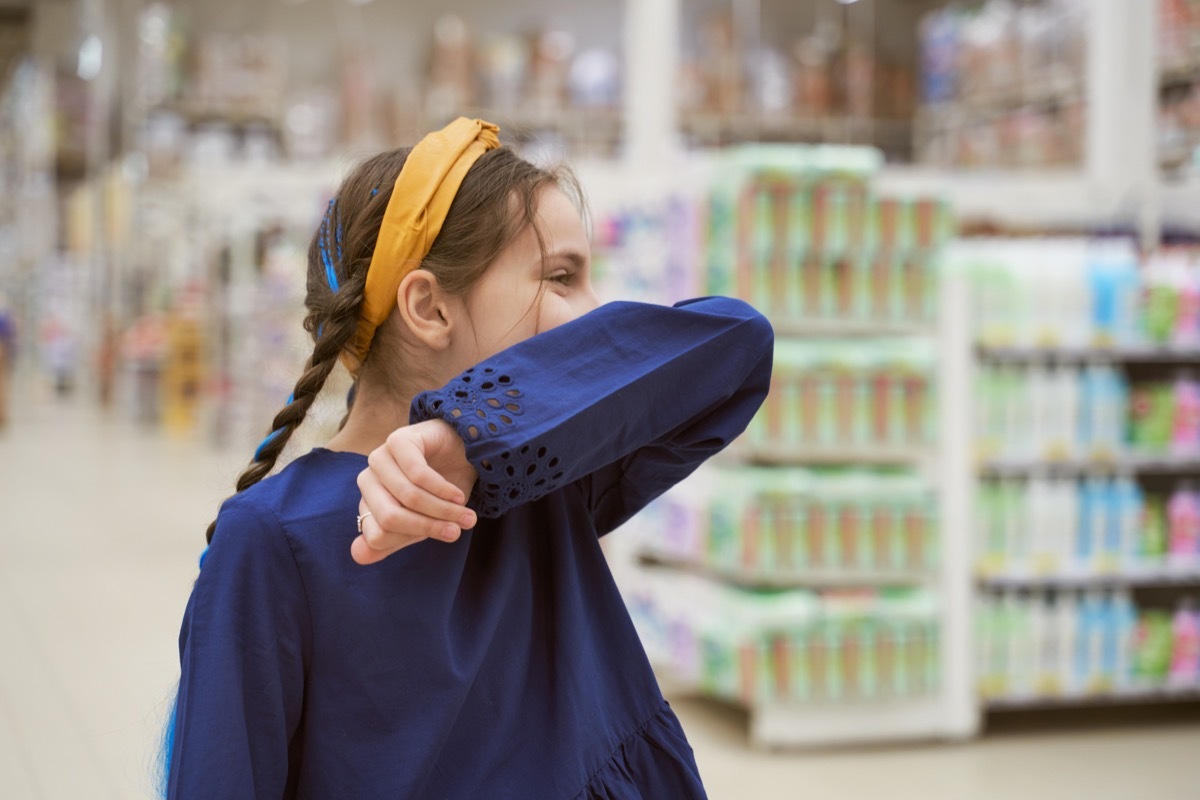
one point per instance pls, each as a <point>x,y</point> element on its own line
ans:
<point>655,762</point>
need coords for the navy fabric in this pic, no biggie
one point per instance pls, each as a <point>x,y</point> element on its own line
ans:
<point>504,665</point>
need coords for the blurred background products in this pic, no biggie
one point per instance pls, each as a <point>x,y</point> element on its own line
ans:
<point>973,491</point>
<point>1092,643</point>
<point>775,524</point>
<point>1003,84</point>
<point>795,647</point>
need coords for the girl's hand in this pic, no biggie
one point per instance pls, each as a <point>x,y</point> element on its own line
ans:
<point>415,487</point>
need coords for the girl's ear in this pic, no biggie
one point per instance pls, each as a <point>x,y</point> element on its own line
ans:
<point>425,309</point>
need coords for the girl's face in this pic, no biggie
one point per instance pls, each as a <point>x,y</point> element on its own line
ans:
<point>522,294</point>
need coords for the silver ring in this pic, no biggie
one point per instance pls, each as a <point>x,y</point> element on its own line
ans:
<point>361,517</point>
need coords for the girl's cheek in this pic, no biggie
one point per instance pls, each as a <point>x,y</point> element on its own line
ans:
<point>555,311</point>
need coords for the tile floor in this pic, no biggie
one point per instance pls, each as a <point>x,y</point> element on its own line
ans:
<point>100,527</point>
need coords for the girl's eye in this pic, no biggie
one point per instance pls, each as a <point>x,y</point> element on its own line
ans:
<point>565,278</point>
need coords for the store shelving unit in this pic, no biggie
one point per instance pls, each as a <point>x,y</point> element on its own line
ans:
<point>790,578</point>
<point>1162,576</point>
<point>1159,464</point>
<point>782,455</point>
<point>1129,353</point>
<point>1043,576</point>
<point>948,709</point>
<point>788,326</point>
<point>582,132</point>
<point>718,129</point>
<point>1100,697</point>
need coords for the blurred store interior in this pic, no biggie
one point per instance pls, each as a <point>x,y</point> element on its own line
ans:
<point>957,551</point>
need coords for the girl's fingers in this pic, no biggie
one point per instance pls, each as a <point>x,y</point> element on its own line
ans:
<point>362,550</point>
<point>408,454</point>
<point>412,495</point>
<point>394,519</point>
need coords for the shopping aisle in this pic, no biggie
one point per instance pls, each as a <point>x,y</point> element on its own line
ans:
<point>100,527</point>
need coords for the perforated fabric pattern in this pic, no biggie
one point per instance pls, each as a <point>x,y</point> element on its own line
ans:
<point>483,403</point>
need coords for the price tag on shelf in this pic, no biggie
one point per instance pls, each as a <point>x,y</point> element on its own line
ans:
<point>991,565</point>
<point>1045,565</point>
<point>1057,453</point>
<point>1047,340</point>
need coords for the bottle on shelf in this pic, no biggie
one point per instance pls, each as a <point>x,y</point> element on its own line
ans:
<point>1114,281</point>
<point>1152,416</point>
<point>1185,644</point>
<point>1183,517</point>
<point>1122,620</point>
<point>1124,523</point>
<point>1152,649</point>
<point>1185,432</point>
<point>1153,541</point>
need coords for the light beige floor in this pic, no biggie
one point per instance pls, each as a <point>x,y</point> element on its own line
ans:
<point>100,527</point>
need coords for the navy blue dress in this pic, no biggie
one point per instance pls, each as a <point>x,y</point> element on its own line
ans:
<point>504,665</point>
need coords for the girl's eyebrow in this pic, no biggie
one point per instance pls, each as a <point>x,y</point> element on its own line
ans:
<point>574,257</point>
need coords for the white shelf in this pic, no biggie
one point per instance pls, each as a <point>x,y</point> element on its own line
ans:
<point>816,725</point>
<point>1125,353</point>
<point>1159,694</point>
<point>1165,575</point>
<point>828,455</point>
<point>849,327</point>
<point>791,579</point>
<point>1128,462</point>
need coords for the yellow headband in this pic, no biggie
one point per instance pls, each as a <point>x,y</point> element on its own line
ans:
<point>420,201</point>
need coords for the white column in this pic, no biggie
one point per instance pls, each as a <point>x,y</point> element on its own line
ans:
<point>1122,107</point>
<point>651,70</point>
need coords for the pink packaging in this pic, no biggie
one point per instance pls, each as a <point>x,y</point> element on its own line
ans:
<point>1185,431</point>
<point>1183,515</point>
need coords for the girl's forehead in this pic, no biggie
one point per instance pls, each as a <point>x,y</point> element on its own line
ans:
<point>555,208</point>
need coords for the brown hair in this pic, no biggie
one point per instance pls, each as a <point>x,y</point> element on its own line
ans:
<point>497,200</point>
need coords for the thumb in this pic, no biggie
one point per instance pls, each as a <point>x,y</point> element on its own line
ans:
<point>439,437</point>
<point>362,553</point>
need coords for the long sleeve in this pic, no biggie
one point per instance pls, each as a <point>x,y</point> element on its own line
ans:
<point>243,647</point>
<point>627,400</point>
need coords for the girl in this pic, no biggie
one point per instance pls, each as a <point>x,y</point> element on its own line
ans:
<point>421,608</point>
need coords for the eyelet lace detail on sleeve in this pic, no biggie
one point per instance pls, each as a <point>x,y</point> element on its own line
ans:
<point>484,403</point>
<point>481,403</point>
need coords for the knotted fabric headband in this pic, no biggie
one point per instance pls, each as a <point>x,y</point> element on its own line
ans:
<point>420,201</point>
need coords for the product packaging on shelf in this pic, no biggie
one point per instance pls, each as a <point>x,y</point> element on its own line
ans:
<point>1097,526</point>
<point>1075,644</point>
<point>792,646</point>
<point>1170,306</point>
<point>1053,413</point>
<point>1165,416</point>
<point>850,394</point>
<point>1057,526</point>
<point>1053,292</point>
<point>785,523</point>
<point>799,232</point>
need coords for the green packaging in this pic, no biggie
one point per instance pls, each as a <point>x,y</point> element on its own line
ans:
<point>799,222</point>
<point>723,535</point>
<point>1152,647</point>
<point>799,640</point>
<point>762,251</point>
<point>1161,311</point>
<point>1152,411</point>
<point>1153,537</point>
<point>830,270</point>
